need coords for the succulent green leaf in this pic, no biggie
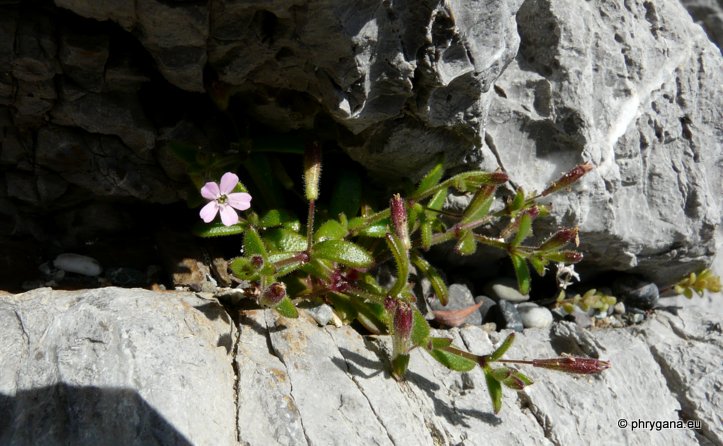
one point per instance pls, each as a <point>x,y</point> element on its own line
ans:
<point>502,349</point>
<point>217,229</point>
<point>495,390</point>
<point>285,240</point>
<point>518,201</point>
<point>523,230</point>
<point>242,268</point>
<point>346,196</point>
<point>420,329</point>
<point>522,272</point>
<point>286,308</point>
<point>452,361</point>
<point>253,244</point>
<point>330,230</point>
<point>401,259</point>
<point>437,201</point>
<point>431,179</point>
<point>425,233</point>
<point>344,252</point>
<point>280,217</point>
<point>466,244</point>
<point>375,229</point>
<point>431,273</point>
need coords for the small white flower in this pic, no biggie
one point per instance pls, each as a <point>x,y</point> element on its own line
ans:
<point>565,275</point>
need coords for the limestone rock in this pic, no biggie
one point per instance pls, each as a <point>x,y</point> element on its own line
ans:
<point>633,88</point>
<point>128,365</point>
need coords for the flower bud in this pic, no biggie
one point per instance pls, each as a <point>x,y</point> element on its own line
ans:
<point>585,366</point>
<point>272,295</point>
<point>561,238</point>
<point>312,170</point>
<point>399,220</point>
<point>568,178</point>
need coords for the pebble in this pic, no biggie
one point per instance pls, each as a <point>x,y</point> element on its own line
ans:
<point>505,288</point>
<point>485,310</point>
<point>507,316</point>
<point>534,316</point>
<point>323,314</point>
<point>79,264</point>
<point>460,297</point>
<point>619,308</point>
<point>636,292</point>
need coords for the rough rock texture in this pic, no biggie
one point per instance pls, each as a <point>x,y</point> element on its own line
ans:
<point>129,365</point>
<point>633,88</point>
<point>142,367</point>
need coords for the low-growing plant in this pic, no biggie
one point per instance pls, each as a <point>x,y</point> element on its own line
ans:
<point>698,283</point>
<point>333,261</point>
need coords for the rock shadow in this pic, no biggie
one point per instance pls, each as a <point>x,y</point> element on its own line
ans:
<point>63,414</point>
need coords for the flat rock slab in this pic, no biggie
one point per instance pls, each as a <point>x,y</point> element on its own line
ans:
<point>115,366</point>
<point>172,368</point>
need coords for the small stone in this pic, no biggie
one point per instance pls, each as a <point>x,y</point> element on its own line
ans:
<point>534,316</point>
<point>505,288</point>
<point>507,316</point>
<point>460,297</point>
<point>636,292</point>
<point>323,314</point>
<point>581,318</point>
<point>79,264</point>
<point>619,308</point>
<point>485,310</point>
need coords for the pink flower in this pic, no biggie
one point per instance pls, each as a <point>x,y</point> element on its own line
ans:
<point>223,201</point>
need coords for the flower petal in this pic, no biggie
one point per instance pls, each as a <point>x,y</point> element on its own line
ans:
<point>239,200</point>
<point>209,211</point>
<point>228,215</point>
<point>229,180</point>
<point>210,191</point>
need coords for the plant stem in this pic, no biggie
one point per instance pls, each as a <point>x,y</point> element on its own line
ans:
<point>310,226</point>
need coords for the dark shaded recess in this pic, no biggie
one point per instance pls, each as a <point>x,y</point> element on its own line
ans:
<point>63,414</point>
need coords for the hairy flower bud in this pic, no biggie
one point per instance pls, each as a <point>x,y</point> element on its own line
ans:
<point>561,238</point>
<point>568,178</point>
<point>399,220</point>
<point>272,295</point>
<point>312,170</point>
<point>585,366</point>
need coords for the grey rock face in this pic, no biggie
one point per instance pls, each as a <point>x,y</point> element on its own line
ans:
<point>633,88</point>
<point>141,367</point>
<point>129,365</point>
<point>709,15</point>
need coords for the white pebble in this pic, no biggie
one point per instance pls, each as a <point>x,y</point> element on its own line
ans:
<point>76,263</point>
<point>534,316</point>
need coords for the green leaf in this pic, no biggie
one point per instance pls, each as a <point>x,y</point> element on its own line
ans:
<point>286,308</point>
<point>287,267</point>
<point>371,315</point>
<point>502,349</point>
<point>330,230</point>
<point>346,195</point>
<point>480,204</point>
<point>518,200</point>
<point>522,272</point>
<point>466,245</point>
<point>242,268</point>
<point>523,230</point>
<point>538,264</point>
<point>431,273</point>
<point>437,343</point>
<point>425,233</point>
<point>399,366</point>
<point>452,361</point>
<point>495,390</point>
<point>253,245</point>
<point>285,240</point>
<point>431,179</point>
<point>401,259</point>
<point>420,329</point>
<point>217,229</point>
<point>280,217</point>
<point>344,252</point>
